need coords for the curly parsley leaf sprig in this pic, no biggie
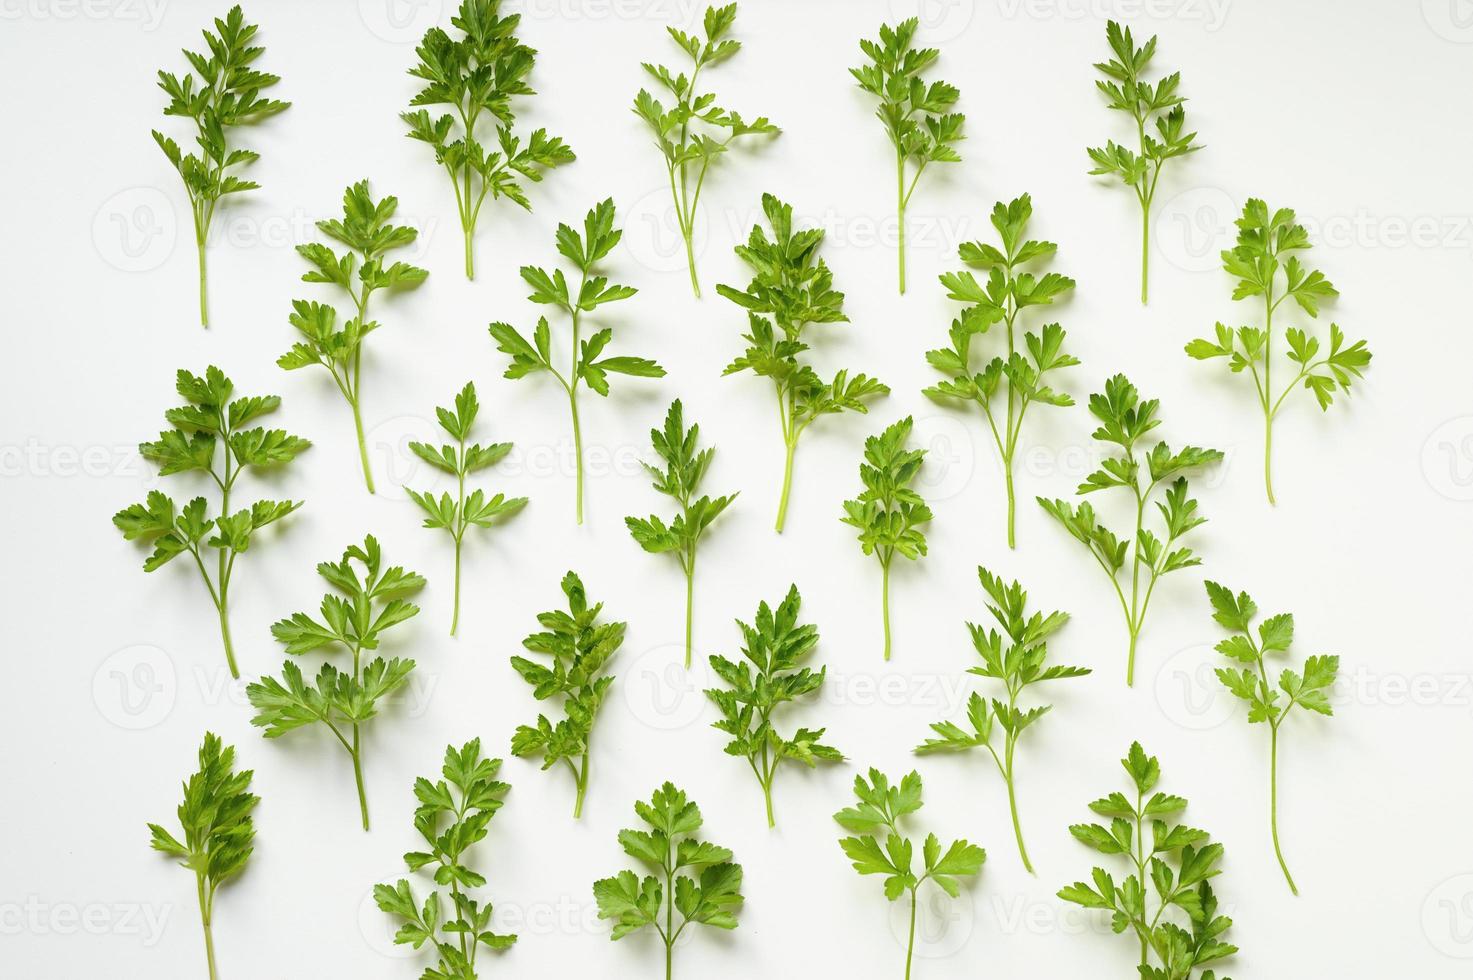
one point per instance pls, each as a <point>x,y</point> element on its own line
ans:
<point>458,514</point>
<point>878,846</point>
<point>769,675</point>
<point>691,877</point>
<point>1264,250</point>
<point>1015,656</point>
<point>222,92</point>
<point>1124,421</point>
<point>354,617</point>
<point>1267,700</point>
<point>694,131</point>
<point>452,817</point>
<point>481,72</point>
<point>366,230</point>
<point>579,648</point>
<point>791,288</point>
<point>679,478</point>
<point>586,366</point>
<point>211,418</point>
<point>917,116</point>
<point>1011,375</point>
<point>215,817</point>
<point>1166,899</point>
<point>888,512</point>
<point>1144,102</point>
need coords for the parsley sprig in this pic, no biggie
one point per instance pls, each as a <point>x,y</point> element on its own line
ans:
<point>1141,169</point>
<point>480,72</point>
<point>458,514</point>
<point>215,817</point>
<point>692,877</point>
<point>680,479</point>
<point>365,229</point>
<point>1169,861</point>
<point>917,116</point>
<point>1015,657</point>
<point>792,287</point>
<point>1009,290</point>
<point>452,817</point>
<point>1252,684</point>
<point>354,619</point>
<point>211,418</point>
<point>888,512</point>
<point>579,647</point>
<point>585,365</point>
<point>684,131</point>
<point>1265,247</point>
<point>223,92</point>
<point>769,675</point>
<point>1124,420</point>
<point>879,848</point>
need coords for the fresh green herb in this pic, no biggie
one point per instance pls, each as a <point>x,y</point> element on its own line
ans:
<point>774,647</point>
<point>481,71</point>
<point>580,647</point>
<point>888,513</point>
<point>878,816</point>
<point>1008,292</point>
<point>917,116</point>
<point>679,479</point>
<point>210,418</point>
<point>1251,683</point>
<point>1015,656</point>
<point>1141,169</point>
<point>341,700</point>
<point>692,877</point>
<point>792,286</point>
<point>1124,420</point>
<point>1178,947</point>
<point>584,364</point>
<point>229,95</point>
<point>218,833</point>
<point>456,514</point>
<point>365,229</point>
<point>687,148</point>
<point>452,816</point>
<point>1256,261</point>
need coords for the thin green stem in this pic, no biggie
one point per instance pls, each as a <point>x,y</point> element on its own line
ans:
<point>455,616</point>
<point>782,504</point>
<point>577,452</point>
<point>225,635</point>
<point>690,589</point>
<point>206,914</point>
<point>362,446</point>
<point>204,304</point>
<point>357,754</point>
<point>470,261</point>
<point>582,785</point>
<point>910,943</point>
<point>1268,451</point>
<point>900,209</point>
<point>690,261</point>
<point>767,797</point>
<point>1145,247</point>
<point>1012,503</point>
<point>1273,804</point>
<point>1013,808</point>
<point>885,602</point>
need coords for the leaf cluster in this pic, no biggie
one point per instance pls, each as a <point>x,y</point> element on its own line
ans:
<point>1251,682</point>
<point>917,115</point>
<point>215,818</point>
<point>879,848</point>
<point>1125,91</point>
<point>456,514</point>
<point>888,512</point>
<point>679,478</point>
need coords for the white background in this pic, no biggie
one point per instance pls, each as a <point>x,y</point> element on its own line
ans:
<point>1349,112</point>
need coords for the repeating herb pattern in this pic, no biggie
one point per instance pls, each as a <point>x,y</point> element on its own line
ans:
<point>1124,420</point>
<point>1011,376</point>
<point>1140,169</point>
<point>692,877</point>
<point>222,93</point>
<point>888,512</point>
<point>210,419</point>
<point>1251,683</point>
<point>458,514</point>
<point>767,676</point>
<point>792,288</point>
<point>684,131</point>
<point>365,229</point>
<point>579,647</point>
<point>1165,901</point>
<point>215,818</point>
<point>479,74</point>
<point>585,365</point>
<point>680,479</point>
<point>1265,247</point>
<point>1015,657</point>
<point>354,618</point>
<point>452,817</point>
<point>917,116</point>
